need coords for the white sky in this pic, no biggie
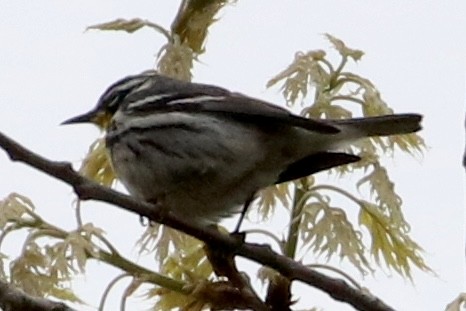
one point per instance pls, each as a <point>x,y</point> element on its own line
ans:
<point>50,70</point>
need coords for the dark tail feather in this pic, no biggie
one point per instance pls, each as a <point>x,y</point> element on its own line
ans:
<point>384,125</point>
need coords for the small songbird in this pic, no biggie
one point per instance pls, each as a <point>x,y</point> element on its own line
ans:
<point>203,152</point>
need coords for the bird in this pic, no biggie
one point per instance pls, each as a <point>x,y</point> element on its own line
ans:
<point>202,152</point>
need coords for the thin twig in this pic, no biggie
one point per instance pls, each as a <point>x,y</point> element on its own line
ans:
<point>109,288</point>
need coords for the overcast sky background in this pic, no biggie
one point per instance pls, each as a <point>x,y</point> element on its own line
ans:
<point>50,70</point>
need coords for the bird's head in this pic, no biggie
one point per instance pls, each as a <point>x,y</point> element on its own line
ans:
<point>111,100</point>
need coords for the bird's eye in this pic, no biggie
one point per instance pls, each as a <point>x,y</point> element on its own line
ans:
<point>112,106</point>
<point>116,94</point>
<point>115,101</point>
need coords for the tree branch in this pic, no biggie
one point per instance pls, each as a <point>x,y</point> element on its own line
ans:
<point>14,299</point>
<point>263,254</point>
<point>223,264</point>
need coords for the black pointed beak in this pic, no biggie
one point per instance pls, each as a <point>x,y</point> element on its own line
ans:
<point>88,117</point>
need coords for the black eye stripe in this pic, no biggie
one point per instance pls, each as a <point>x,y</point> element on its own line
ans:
<point>114,98</point>
<point>113,102</point>
<point>111,99</point>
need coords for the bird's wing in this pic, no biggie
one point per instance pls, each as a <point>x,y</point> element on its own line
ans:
<point>258,111</point>
<point>198,98</point>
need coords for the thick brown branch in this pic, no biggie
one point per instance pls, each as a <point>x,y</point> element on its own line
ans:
<point>279,294</point>
<point>224,264</point>
<point>263,254</point>
<point>14,299</point>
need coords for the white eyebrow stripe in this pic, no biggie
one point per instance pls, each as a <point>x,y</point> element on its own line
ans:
<point>198,99</point>
<point>127,84</point>
<point>148,99</point>
<point>123,86</point>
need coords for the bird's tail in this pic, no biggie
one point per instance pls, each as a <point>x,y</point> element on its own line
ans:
<point>394,124</point>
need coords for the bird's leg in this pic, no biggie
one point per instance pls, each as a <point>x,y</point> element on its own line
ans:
<point>243,213</point>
